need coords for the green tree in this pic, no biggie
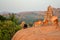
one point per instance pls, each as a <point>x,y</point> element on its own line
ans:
<point>13,18</point>
<point>8,26</point>
<point>8,29</point>
<point>2,18</point>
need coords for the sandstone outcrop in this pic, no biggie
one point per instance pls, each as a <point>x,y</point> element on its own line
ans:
<point>48,31</point>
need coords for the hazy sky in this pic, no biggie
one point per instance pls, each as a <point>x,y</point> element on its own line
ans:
<point>27,5</point>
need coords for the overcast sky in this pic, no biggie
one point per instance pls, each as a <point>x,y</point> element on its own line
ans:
<point>27,5</point>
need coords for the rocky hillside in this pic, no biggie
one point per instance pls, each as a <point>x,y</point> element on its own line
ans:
<point>38,33</point>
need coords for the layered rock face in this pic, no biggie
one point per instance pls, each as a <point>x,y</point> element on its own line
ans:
<point>50,17</point>
<point>38,33</point>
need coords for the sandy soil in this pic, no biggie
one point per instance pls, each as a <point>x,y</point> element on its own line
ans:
<point>38,33</point>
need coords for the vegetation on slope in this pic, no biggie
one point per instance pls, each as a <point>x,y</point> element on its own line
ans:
<point>8,27</point>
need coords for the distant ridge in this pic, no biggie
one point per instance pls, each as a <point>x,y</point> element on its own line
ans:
<point>55,10</point>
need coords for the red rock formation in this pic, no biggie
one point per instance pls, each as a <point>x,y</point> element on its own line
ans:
<point>38,23</point>
<point>38,33</point>
<point>49,18</point>
<point>48,32</point>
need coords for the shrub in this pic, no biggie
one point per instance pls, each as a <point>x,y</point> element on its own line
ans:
<point>8,29</point>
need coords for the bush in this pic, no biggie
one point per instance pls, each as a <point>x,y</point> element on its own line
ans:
<point>8,29</point>
<point>2,18</point>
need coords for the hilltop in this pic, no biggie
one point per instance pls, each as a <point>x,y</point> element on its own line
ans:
<point>48,29</point>
<point>38,33</point>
